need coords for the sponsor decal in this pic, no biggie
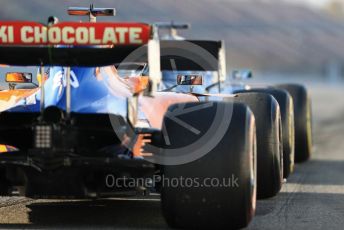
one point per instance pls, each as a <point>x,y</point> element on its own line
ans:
<point>59,80</point>
<point>73,33</point>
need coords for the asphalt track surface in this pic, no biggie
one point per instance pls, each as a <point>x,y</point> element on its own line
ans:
<point>313,197</point>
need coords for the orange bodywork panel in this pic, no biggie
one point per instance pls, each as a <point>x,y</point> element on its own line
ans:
<point>7,148</point>
<point>8,98</point>
<point>17,93</point>
<point>155,107</point>
<point>3,148</point>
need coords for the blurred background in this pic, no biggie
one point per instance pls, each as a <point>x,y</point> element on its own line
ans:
<point>298,39</point>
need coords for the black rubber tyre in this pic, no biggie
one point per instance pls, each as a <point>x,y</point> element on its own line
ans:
<point>303,121</point>
<point>285,102</point>
<point>269,142</point>
<point>228,207</point>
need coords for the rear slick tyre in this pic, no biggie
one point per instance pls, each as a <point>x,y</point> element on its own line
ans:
<point>269,142</point>
<point>213,207</point>
<point>286,105</point>
<point>303,121</point>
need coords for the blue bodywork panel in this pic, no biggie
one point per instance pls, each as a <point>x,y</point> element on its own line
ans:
<point>88,94</point>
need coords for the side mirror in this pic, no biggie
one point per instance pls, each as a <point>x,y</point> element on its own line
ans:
<point>189,80</point>
<point>242,74</point>
<point>18,77</point>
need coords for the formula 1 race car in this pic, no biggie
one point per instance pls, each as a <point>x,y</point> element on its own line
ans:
<point>293,101</point>
<point>265,108</point>
<point>189,75</point>
<point>86,131</point>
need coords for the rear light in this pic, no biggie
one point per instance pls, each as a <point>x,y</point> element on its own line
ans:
<point>43,136</point>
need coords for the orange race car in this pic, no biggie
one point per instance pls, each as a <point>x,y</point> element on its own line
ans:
<point>88,132</point>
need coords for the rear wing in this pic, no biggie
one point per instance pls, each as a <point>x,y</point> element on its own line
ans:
<point>50,56</point>
<point>193,55</point>
<point>69,44</point>
<point>203,55</point>
<point>79,44</point>
<point>73,33</point>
